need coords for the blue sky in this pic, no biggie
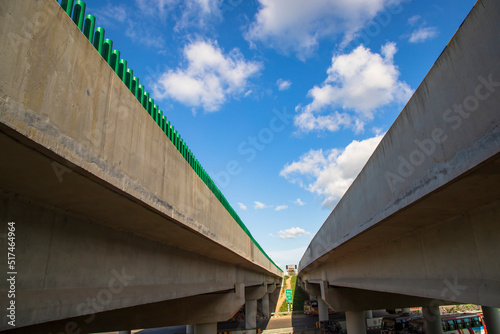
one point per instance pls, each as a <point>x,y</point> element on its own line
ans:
<point>282,101</point>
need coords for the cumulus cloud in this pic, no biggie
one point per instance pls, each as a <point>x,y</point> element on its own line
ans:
<point>210,77</point>
<point>259,205</point>
<point>283,84</point>
<point>299,202</point>
<point>293,233</point>
<point>423,34</point>
<point>297,26</point>
<point>242,206</point>
<point>280,207</point>
<point>330,173</point>
<point>359,83</point>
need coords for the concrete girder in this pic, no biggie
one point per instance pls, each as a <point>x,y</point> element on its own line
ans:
<point>255,292</point>
<point>421,218</point>
<point>200,309</point>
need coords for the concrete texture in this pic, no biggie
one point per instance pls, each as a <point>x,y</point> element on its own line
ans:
<point>430,193</point>
<point>96,188</point>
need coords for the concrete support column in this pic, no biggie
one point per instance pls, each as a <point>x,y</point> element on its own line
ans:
<point>265,305</point>
<point>322,310</point>
<point>491,319</point>
<point>189,329</point>
<point>368,314</point>
<point>356,322</point>
<point>250,314</point>
<point>432,318</point>
<point>206,328</point>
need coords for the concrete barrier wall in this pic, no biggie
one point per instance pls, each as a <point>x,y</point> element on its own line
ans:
<point>450,126</point>
<point>56,90</point>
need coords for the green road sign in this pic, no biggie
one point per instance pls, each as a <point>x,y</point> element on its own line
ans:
<point>289,296</point>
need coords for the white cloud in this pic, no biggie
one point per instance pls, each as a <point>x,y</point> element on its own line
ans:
<point>360,82</point>
<point>242,206</point>
<point>422,34</point>
<point>280,207</point>
<point>192,12</point>
<point>209,78</point>
<point>330,173</point>
<point>259,205</point>
<point>293,233</point>
<point>414,19</point>
<point>110,14</point>
<point>299,202</point>
<point>297,26</point>
<point>283,84</point>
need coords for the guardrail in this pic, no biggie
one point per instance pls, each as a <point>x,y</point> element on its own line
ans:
<point>86,23</point>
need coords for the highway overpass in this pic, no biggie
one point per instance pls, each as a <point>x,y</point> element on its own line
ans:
<point>420,224</point>
<point>116,224</point>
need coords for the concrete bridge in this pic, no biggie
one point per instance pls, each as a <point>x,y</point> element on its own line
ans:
<point>114,223</point>
<point>420,224</point>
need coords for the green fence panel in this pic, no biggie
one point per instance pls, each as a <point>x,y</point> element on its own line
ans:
<point>145,100</point>
<point>151,103</point>
<point>99,39</point>
<point>88,27</point>
<point>134,86</point>
<point>129,74</point>
<point>67,5</point>
<point>155,115</point>
<point>122,68</point>
<point>115,59</point>
<point>140,93</point>
<point>79,13</point>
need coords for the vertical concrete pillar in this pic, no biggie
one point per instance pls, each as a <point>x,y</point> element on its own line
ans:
<point>250,314</point>
<point>491,319</point>
<point>265,305</point>
<point>206,328</point>
<point>356,322</point>
<point>368,314</point>
<point>432,318</point>
<point>189,329</point>
<point>322,310</point>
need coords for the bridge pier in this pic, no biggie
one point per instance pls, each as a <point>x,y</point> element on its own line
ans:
<point>210,328</point>
<point>491,319</point>
<point>322,310</point>
<point>250,314</point>
<point>356,322</point>
<point>265,305</point>
<point>432,317</point>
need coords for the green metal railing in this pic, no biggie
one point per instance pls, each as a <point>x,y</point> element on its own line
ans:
<point>86,23</point>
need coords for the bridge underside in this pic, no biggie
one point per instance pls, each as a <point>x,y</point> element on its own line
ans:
<point>77,269</point>
<point>420,252</point>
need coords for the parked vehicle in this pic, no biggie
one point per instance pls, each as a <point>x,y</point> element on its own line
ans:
<point>460,323</point>
<point>330,327</point>
<point>397,323</point>
<point>311,308</point>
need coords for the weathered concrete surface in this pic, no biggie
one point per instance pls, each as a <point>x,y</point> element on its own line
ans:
<point>94,185</point>
<point>422,217</point>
